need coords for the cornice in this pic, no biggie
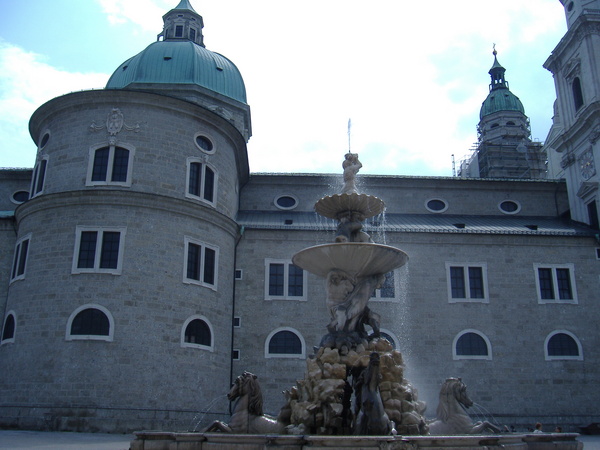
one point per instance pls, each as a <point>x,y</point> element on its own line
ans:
<point>128,199</point>
<point>584,26</point>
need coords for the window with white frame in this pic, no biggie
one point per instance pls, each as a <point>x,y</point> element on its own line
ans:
<point>90,322</point>
<point>555,283</point>
<point>197,332</point>
<point>562,344</point>
<point>99,250</point>
<point>284,281</point>
<point>201,181</point>
<point>201,263</point>
<point>110,165</point>
<point>467,282</point>
<point>39,176</point>
<point>19,266</point>
<point>387,291</point>
<point>391,338</point>
<point>285,342</point>
<point>471,344</point>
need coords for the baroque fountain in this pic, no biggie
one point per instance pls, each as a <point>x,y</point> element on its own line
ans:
<point>353,394</point>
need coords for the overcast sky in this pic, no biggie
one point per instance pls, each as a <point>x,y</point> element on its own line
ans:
<point>410,75</point>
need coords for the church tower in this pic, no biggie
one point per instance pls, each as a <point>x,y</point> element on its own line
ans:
<point>574,139</point>
<point>504,147</point>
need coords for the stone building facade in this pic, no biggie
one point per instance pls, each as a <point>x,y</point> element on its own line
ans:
<point>143,266</point>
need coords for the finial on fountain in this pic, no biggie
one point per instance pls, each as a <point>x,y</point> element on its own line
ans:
<point>351,166</point>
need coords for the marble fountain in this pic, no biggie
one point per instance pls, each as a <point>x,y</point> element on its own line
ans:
<point>353,394</point>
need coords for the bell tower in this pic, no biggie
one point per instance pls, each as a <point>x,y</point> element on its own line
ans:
<point>574,140</point>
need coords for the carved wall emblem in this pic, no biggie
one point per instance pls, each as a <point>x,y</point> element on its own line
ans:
<point>115,122</point>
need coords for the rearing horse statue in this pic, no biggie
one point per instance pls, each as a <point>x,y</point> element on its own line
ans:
<point>248,416</point>
<point>371,418</point>
<point>452,418</point>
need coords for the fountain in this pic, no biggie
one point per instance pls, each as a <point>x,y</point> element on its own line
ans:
<point>349,359</point>
<point>353,394</point>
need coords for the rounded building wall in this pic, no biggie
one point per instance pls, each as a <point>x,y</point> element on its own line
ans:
<point>152,260</point>
<point>144,364</point>
<point>158,136</point>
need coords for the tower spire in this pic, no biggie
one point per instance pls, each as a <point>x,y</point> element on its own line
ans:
<point>497,73</point>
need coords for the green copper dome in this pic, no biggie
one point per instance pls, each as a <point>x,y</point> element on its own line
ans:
<point>180,62</point>
<point>500,98</point>
<point>180,58</point>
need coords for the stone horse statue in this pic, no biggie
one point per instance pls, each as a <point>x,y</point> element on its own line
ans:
<point>452,418</point>
<point>248,417</point>
<point>371,418</point>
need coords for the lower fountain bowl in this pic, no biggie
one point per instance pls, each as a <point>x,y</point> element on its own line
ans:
<point>358,259</point>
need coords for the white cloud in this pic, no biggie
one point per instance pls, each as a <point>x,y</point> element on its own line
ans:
<point>26,82</point>
<point>411,75</point>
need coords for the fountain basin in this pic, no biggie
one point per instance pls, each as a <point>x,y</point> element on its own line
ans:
<point>357,259</point>
<point>366,205</point>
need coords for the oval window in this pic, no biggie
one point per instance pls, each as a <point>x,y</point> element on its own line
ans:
<point>286,202</point>
<point>204,143</point>
<point>436,205</point>
<point>44,140</point>
<point>20,196</point>
<point>509,207</point>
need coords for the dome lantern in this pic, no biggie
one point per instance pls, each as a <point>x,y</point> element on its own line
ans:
<point>182,23</point>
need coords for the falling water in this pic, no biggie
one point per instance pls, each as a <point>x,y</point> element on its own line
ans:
<point>203,414</point>
<point>482,414</point>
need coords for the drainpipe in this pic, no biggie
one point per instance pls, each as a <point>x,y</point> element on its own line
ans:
<point>241,234</point>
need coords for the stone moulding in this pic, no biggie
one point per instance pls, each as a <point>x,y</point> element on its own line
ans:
<point>159,440</point>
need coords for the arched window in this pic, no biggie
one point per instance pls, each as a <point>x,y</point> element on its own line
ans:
<point>197,332</point>
<point>39,176</point>
<point>285,343</point>
<point>110,165</point>
<point>471,344</point>
<point>90,322</point>
<point>562,344</point>
<point>201,181</point>
<point>8,330</point>
<point>391,337</point>
<point>577,93</point>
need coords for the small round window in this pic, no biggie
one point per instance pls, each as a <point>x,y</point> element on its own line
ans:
<point>20,197</point>
<point>44,140</point>
<point>436,205</point>
<point>509,207</point>
<point>286,202</point>
<point>204,143</point>
<point>570,7</point>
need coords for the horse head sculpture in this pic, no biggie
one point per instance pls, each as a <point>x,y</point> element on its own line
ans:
<point>452,417</point>
<point>248,416</point>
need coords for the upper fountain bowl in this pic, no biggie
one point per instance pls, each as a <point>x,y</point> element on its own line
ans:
<point>355,258</point>
<point>334,205</point>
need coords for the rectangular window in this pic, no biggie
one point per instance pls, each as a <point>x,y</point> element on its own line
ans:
<point>179,31</point>
<point>388,290</point>
<point>284,281</point>
<point>201,262</point>
<point>555,283</point>
<point>192,35</point>
<point>467,282</point>
<point>201,181</point>
<point>110,165</point>
<point>20,259</point>
<point>98,250</point>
